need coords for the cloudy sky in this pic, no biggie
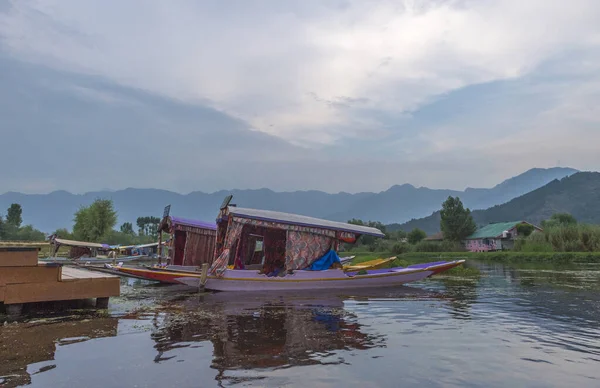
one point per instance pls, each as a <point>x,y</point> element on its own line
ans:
<point>308,94</point>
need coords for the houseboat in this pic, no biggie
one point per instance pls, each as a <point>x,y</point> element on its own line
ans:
<point>298,253</point>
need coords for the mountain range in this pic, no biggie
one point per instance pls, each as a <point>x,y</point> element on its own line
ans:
<point>398,204</point>
<point>577,194</point>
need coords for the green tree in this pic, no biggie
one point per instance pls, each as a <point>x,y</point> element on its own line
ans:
<point>2,229</point>
<point>148,226</point>
<point>525,230</point>
<point>28,233</point>
<point>13,215</point>
<point>95,221</point>
<point>63,233</point>
<point>416,235</point>
<point>400,234</point>
<point>127,228</point>
<point>559,219</point>
<point>457,222</point>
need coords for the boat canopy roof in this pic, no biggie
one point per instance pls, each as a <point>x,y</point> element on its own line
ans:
<point>189,222</point>
<point>136,246</point>
<point>296,219</point>
<point>73,243</point>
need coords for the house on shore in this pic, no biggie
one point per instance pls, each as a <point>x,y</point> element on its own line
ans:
<point>495,237</point>
<point>435,237</point>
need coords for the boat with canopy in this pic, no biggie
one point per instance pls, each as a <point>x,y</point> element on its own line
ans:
<point>82,252</point>
<point>297,253</point>
<point>191,243</point>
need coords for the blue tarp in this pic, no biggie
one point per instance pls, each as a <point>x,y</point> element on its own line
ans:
<point>325,262</point>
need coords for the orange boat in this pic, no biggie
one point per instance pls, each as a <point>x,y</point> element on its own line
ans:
<point>161,275</point>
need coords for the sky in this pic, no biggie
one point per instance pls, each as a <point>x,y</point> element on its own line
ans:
<point>336,95</point>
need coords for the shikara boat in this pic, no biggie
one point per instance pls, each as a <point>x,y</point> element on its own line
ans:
<point>192,243</point>
<point>92,260</point>
<point>82,252</point>
<point>371,264</point>
<point>297,253</point>
<point>163,276</point>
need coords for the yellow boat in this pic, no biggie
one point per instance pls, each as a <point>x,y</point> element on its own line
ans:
<point>371,264</point>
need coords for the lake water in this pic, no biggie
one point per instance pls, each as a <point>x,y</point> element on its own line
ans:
<point>512,327</point>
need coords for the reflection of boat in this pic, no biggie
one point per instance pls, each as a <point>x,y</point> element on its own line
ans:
<point>371,264</point>
<point>263,331</point>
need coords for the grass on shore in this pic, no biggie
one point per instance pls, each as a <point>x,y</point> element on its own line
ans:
<point>504,256</point>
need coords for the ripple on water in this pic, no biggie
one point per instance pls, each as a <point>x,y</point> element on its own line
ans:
<point>540,327</point>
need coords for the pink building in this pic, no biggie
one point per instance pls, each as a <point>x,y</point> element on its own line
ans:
<point>495,237</point>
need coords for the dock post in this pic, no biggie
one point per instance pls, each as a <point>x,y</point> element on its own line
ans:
<point>102,303</point>
<point>203,275</point>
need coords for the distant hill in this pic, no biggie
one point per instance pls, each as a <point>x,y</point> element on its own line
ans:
<point>577,194</point>
<point>405,202</point>
<point>397,204</point>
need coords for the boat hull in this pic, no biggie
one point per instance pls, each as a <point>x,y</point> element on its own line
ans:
<point>170,277</point>
<point>92,260</point>
<point>245,280</point>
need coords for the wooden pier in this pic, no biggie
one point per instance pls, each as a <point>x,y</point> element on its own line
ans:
<point>24,280</point>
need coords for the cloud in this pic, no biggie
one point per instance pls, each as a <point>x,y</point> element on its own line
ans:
<point>264,62</point>
<point>334,95</point>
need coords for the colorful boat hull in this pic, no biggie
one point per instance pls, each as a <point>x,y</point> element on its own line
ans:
<point>163,276</point>
<point>246,280</point>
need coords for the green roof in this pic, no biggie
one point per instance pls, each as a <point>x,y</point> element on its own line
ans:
<point>493,230</point>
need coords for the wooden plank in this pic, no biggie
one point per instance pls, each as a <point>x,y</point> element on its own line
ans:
<point>18,257</point>
<point>9,275</point>
<point>81,289</point>
<point>2,292</point>
<point>71,273</point>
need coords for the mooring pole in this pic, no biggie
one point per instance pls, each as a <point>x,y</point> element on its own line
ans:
<point>203,275</point>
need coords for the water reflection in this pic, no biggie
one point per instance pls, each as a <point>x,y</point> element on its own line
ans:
<point>542,327</point>
<point>262,331</point>
<point>24,345</point>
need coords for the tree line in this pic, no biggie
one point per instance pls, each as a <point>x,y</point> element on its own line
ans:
<point>11,227</point>
<point>560,233</point>
<point>93,223</point>
<point>456,224</point>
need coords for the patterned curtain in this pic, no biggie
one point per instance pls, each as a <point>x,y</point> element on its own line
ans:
<point>199,249</point>
<point>234,231</point>
<point>303,248</point>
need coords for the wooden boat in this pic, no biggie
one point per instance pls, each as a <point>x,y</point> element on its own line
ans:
<point>346,260</point>
<point>91,260</point>
<point>163,275</point>
<point>252,280</point>
<point>191,242</point>
<point>298,253</point>
<point>371,264</point>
